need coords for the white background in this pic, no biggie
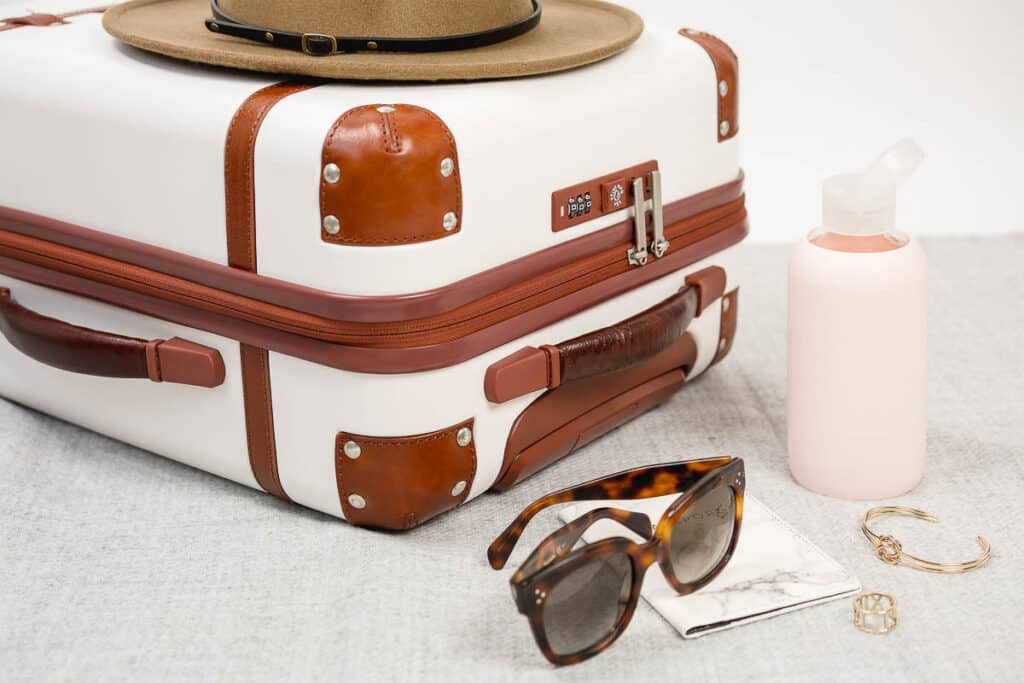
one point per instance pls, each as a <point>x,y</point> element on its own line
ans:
<point>826,86</point>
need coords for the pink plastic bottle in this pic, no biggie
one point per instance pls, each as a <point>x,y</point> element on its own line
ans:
<point>857,355</point>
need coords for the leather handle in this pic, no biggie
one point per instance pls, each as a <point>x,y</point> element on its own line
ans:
<point>89,352</point>
<point>606,350</point>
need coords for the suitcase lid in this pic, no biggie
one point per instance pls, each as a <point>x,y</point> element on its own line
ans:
<point>132,145</point>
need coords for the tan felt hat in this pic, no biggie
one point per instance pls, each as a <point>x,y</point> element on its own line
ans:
<point>396,40</point>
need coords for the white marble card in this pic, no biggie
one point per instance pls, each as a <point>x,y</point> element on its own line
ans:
<point>773,571</point>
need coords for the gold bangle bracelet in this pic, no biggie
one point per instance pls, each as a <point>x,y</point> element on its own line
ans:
<point>889,550</point>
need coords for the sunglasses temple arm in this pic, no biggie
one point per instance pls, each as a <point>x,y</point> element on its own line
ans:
<point>644,482</point>
<point>500,549</point>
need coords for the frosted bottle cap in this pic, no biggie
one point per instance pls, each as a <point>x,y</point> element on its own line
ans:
<point>865,203</point>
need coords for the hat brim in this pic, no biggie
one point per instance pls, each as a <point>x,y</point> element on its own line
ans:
<point>571,33</point>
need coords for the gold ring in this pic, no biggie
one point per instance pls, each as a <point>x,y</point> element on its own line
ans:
<point>889,550</point>
<point>874,612</point>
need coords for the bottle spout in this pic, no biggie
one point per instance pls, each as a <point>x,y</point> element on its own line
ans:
<point>883,179</point>
<point>865,203</point>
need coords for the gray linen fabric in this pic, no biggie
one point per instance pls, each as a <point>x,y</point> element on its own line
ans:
<point>115,563</point>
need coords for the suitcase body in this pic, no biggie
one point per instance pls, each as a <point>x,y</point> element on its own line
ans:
<point>378,301</point>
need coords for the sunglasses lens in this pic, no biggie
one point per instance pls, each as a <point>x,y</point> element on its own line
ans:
<point>586,605</point>
<point>702,535</point>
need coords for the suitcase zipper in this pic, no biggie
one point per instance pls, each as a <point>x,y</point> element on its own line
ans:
<point>438,329</point>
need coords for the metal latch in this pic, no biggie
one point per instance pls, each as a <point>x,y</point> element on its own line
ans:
<point>637,254</point>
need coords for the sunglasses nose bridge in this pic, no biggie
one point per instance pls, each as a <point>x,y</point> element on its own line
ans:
<point>646,554</point>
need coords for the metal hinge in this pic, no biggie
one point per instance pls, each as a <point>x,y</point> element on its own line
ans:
<point>637,254</point>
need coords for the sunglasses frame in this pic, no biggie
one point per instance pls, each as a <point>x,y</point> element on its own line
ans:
<point>554,559</point>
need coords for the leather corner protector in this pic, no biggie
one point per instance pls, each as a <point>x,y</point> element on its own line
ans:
<point>389,175</point>
<point>400,482</point>
<point>726,82</point>
<point>727,331</point>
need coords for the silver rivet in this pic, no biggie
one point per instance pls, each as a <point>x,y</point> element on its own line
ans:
<point>722,343</point>
<point>723,88</point>
<point>725,304</point>
<point>447,167</point>
<point>723,128</point>
<point>352,450</point>
<point>459,488</point>
<point>214,26</point>
<point>332,173</point>
<point>386,109</point>
<point>357,501</point>
<point>332,226</point>
<point>269,36</point>
<point>449,221</point>
<point>464,437</point>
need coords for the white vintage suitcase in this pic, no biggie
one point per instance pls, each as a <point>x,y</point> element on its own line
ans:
<point>378,301</point>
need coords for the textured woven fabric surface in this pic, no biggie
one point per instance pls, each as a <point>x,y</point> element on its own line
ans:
<point>115,563</point>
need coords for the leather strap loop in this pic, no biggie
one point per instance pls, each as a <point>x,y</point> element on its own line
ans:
<point>320,45</point>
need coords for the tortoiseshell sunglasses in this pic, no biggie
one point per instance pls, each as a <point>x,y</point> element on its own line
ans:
<point>579,601</point>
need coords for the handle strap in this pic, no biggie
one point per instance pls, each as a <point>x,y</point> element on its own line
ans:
<point>90,352</point>
<point>606,350</point>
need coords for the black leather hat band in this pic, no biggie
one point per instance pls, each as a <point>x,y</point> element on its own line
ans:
<point>321,45</point>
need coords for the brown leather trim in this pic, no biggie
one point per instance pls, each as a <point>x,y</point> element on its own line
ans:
<point>567,418</point>
<point>348,307</point>
<point>377,360</point>
<point>240,220</point>
<point>527,370</point>
<point>709,283</point>
<point>38,19</point>
<point>390,189</point>
<point>400,482</point>
<point>477,315</point>
<point>183,362</point>
<point>90,352</point>
<point>259,419</point>
<point>727,331</point>
<point>239,186</point>
<point>727,72</point>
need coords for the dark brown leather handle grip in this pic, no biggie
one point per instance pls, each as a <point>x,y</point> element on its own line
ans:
<point>89,352</point>
<point>629,341</point>
<point>612,348</point>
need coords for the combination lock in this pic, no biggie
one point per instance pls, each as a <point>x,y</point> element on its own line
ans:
<point>580,205</point>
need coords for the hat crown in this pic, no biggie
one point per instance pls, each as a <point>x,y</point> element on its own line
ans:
<point>379,18</point>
